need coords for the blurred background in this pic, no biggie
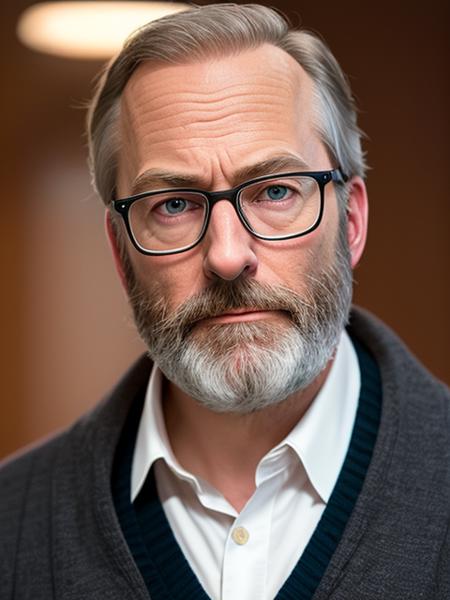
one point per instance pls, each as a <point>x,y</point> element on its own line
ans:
<point>66,332</point>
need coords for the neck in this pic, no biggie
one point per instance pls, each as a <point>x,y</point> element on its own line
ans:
<point>225,448</point>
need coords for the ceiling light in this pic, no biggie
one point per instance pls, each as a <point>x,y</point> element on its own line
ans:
<point>94,30</point>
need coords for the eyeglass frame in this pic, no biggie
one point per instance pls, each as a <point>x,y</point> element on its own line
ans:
<point>122,206</point>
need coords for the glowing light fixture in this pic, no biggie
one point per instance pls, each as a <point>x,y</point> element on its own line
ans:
<point>94,30</point>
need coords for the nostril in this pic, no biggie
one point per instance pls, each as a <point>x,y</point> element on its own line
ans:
<point>229,266</point>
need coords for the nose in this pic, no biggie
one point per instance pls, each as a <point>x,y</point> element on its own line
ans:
<point>229,247</point>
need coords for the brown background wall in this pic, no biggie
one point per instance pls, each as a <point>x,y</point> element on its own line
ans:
<point>65,330</point>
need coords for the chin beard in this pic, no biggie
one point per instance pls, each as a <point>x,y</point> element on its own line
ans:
<point>247,366</point>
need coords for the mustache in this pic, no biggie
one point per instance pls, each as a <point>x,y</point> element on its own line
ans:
<point>222,297</point>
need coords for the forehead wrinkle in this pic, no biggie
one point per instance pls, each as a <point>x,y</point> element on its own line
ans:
<point>270,138</point>
<point>225,124</point>
<point>142,98</point>
<point>198,124</point>
<point>261,105</point>
<point>196,117</point>
<point>238,88</point>
<point>199,141</point>
<point>204,110</point>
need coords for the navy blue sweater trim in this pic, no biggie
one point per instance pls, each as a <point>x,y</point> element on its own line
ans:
<point>164,568</point>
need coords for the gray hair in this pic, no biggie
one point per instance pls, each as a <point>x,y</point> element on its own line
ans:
<point>219,30</point>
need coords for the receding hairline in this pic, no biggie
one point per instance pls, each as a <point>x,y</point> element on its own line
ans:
<point>153,66</point>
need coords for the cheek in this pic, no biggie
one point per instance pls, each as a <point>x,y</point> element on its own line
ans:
<point>175,277</point>
<point>289,263</point>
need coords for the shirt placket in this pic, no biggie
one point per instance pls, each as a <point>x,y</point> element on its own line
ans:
<point>246,554</point>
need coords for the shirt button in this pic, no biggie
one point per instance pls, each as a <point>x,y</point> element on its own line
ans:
<point>240,535</point>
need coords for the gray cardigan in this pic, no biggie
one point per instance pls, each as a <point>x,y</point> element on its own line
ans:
<point>60,537</point>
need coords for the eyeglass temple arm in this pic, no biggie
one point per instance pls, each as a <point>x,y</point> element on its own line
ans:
<point>339,176</point>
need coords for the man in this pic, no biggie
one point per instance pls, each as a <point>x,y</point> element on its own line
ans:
<point>263,451</point>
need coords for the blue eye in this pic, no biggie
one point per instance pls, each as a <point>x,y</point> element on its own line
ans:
<point>175,206</point>
<point>277,192</point>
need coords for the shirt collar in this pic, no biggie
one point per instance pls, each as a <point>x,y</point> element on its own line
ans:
<point>152,441</point>
<point>320,439</point>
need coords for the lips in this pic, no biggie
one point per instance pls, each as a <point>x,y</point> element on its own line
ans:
<point>241,311</point>
<point>241,315</point>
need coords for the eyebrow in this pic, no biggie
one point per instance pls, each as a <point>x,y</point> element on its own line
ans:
<point>275,164</point>
<point>154,179</point>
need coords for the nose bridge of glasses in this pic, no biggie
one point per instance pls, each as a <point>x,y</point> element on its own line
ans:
<point>229,195</point>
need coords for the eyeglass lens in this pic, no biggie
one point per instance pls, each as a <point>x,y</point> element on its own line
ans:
<point>274,208</point>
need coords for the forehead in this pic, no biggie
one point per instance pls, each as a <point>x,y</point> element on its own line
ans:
<point>215,113</point>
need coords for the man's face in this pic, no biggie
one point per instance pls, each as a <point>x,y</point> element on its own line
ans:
<point>212,123</point>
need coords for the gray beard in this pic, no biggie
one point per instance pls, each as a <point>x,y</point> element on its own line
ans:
<point>247,366</point>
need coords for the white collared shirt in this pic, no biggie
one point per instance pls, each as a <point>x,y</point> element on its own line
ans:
<point>248,555</point>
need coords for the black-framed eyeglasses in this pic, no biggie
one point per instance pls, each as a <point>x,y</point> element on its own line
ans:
<point>272,207</point>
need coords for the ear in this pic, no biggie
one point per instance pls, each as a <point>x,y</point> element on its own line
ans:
<point>111,234</point>
<point>358,214</point>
